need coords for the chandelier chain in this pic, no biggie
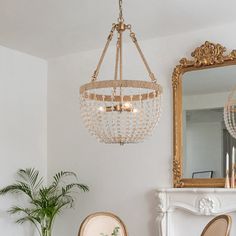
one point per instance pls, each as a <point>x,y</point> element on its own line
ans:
<point>134,39</point>
<point>117,57</point>
<point>121,18</point>
<point>109,39</point>
<point>121,59</point>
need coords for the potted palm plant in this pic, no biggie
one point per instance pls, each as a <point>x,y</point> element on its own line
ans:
<point>45,203</point>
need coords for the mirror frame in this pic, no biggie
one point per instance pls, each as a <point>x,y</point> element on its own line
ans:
<point>208,55</point>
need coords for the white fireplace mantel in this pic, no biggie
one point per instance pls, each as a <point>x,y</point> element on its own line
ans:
<point>197,201</point>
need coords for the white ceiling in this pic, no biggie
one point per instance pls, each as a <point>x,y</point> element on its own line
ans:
<point>215,80</point>
<point>50,28</point>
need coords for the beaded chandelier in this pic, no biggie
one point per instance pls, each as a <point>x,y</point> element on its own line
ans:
<point>230,113</point>
<point>120,111</point>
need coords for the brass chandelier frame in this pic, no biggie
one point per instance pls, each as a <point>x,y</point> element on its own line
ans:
<point>153,86</point>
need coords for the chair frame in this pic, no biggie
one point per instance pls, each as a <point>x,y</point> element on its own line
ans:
<point>226,217</point>
<point>109,214</point>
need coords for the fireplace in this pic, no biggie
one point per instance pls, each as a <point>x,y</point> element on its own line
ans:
<point>186,211</point>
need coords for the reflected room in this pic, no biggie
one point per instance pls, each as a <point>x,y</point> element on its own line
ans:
<point>206,141</point>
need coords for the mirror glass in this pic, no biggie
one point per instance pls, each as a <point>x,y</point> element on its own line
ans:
<point>205,137</point>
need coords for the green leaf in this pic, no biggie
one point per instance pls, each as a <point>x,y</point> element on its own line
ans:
<point>82,187</point>
<point>17,188</point>
<point>24,219</point>
<point>115,231</point>
<point>31,175</point>
<point>60,175</point>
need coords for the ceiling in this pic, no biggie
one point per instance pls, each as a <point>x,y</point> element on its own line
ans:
<point>51,28</point>
<point>215,80</point>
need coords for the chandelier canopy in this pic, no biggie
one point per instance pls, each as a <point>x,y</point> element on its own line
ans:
<point>230,113</point>
<point>120,111</point>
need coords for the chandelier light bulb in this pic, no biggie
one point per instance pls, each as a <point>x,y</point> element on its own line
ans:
<point>128,105</point>
<point>101,109</point>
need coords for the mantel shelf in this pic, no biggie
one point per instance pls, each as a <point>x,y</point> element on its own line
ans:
<point>197,190</point>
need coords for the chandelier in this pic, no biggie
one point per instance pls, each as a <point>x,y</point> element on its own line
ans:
<point>230,113</point>
<point>120,111</point>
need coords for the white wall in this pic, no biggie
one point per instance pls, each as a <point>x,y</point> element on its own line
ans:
<point>205,101</point>
<point>204,133</point>
<point>201,137</point>
<point>122,178</point>
<point>23,120</point>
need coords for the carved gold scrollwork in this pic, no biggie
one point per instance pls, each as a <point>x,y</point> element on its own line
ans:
<point>177,174</point>
<point>208,55</point>
<point>175,77</point>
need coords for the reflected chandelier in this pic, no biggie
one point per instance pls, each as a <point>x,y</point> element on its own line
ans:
<point>120,111</point>
<point>230,113</point>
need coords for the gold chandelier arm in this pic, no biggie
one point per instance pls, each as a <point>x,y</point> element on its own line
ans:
<point>117,57</point>
<point>109,39</point>
<point>121,63</point>
<point>121,56</point>
<point>134,39</point>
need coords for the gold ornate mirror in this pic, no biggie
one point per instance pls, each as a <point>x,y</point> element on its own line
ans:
<point>200,89</point>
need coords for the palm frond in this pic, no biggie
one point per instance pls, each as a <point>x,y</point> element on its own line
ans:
<point>60,175</point>
<point>64,198</point>
<point>29,219</point>
<point>65,201</point>
<point>25,219</point>
<point>16,209</point>
<point>31,176</point>
<point>25,212</point>
<point>82,187</point>
<point>17,188</point>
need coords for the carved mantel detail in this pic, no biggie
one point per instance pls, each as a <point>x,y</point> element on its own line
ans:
<point>161,209</point>
<point>207,205</point>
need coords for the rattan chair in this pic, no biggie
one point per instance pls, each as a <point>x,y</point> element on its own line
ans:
<point>219,226</point>
<point>102,223</point>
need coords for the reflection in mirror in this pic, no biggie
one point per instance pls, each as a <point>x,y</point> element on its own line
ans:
<point>205,137</point>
